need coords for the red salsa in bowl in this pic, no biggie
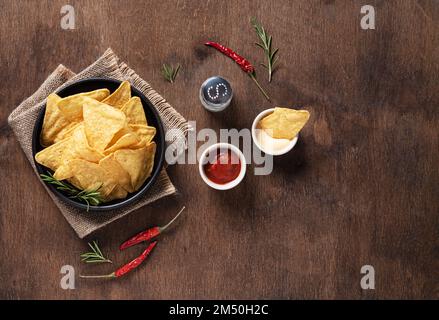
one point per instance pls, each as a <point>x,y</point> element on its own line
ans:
<point>223,166</point>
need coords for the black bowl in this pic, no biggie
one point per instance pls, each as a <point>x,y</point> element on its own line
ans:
<point>153,120</point>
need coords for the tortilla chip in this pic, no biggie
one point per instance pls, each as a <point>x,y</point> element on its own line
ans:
<point>284,123</point>
<point>53,122</point>
<point>76,148</point>
<point>133,109</point>
<point>80,149</point>
<point>90,175</point>
<point>126,141</point>
<point>117,193</point>
<point>149,164</point>
<point>66,132</point>
<point>138,163</point>
<point>71,106</point>
<point>144,133</point>
<point>125,130</point>
<point>52,157</point>
<point>119,97</point>
<point>116,173</point>
<point>101,123</point>
<point>63,172</point>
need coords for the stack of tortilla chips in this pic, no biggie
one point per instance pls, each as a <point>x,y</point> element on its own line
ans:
<point>98,140</point>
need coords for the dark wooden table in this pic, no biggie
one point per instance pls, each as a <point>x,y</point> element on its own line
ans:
<point>361,187</point>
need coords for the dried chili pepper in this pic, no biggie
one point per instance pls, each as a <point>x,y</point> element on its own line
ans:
<point>245,65</point>
<point>127,267</point>
<point>242,62</point>
<point>148,234</point>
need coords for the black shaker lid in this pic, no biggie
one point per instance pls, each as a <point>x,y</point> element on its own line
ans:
<point>216,90</point>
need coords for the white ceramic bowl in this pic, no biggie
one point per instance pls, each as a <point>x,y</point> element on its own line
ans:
<point>203,160</point>
<point>279,152</point>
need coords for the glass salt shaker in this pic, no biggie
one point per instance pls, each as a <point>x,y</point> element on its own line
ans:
<point>216,94</point>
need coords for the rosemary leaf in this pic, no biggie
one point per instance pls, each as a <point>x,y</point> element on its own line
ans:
<point>265,43</point>
<point>92,197</point>
<point>95,255</point>
<point>170,73</point>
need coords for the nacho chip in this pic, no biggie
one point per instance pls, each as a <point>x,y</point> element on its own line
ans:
<point>144,133</point>
<point>115,173</point>
<point>138,163</point>
<point>101,123</point>
<point>76,148</point>
<point>53,122</point>
<point>126,141</point>
<point>63,172</point>
<point>52,157</point>
<point>133,109</point>
<point>117,193</point>
<point>284,123</point>
<point>119,97</point>
<point>149,164</point>
<point>80,149</point>
<point>89,175</point>
<point>75,182</point>
<point>125,130</point>
<point>71,106</point>
<point>66,132</point>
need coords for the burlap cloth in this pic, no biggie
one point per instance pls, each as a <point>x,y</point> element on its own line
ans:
<point>23,118</point>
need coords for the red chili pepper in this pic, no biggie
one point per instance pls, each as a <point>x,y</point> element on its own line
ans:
<point>245,65</point>
<point>242,62</point>
<point>129,266</point>
<point>148,234</point>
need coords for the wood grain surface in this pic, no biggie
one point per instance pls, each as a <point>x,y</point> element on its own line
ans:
<point>361,187</point>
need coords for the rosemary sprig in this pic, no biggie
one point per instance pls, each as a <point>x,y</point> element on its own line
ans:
<point>169,72</point>
<point>265,42</point>
<point>90,197</point>
<point>94,256</point>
